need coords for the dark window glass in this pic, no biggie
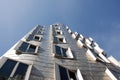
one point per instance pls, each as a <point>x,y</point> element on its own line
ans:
<point>23,46</point>
<point>72,75</point>
<point>64,52</point>
<point>6,69</point>
<point>37,38</point>
<point>34,32</point>
<point>58,33</point>
<point>60,39</point>
<point>116,74</point>
<point>63,73</point>
<point>55,39</point>
<point>58,50</point>
<point>20,72</point>
<point>77,37</point>
<point>32,48</point>
<point>40,32</point>
<point>30,37</point>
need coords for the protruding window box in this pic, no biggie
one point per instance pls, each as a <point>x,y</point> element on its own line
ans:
<point>34,38</point>
<point>26,48</point>
<point>91,54</point>
<point>59,40</point>
<point>63,73</point>
<point>98,50</point>
<point>59,32</point>
<point>87,41</point>
<point>69,31</point>
<point>73,36</point>
<point>80,44</point>
<point>63,52</point>
<point>114,61</point>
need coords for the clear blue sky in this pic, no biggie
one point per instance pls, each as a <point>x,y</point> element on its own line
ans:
<point>99,19</point>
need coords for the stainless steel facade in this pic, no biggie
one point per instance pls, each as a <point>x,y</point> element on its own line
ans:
<point>56,53</point>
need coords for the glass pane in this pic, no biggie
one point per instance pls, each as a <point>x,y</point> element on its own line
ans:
<point>40,32</point>
<point>63,73</point>
<point>58,50</point>
<point>60,39</point>
<point>23,47</point>
<point>34,32</point>
<point>6,69</point>
<point>30,37</point>
<point>116,74</point>
<point>58,33</point>
<point>72,75</point>
<point>55,39</point>
<point>64,52</point>
<point>20,72</point>
<point>32,48</point>
<point>37,38</point>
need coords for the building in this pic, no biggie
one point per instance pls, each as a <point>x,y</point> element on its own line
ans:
<point>56,53</point>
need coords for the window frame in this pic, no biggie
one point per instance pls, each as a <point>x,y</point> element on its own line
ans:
<point>57,40</point>
<point>63,53</point>
<point>18,51</point>
<point>15,67</point>
<point>77,73</point>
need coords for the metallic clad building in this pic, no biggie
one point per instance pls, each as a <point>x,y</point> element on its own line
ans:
<point>56,53</point>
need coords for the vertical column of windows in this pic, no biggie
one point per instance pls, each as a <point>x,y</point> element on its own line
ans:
<point>57,39</point>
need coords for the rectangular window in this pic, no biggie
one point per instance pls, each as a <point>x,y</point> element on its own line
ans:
<point>40,32</point>
<point>66,74</point>
<point>36,38</point>
<point>30,37</point>
<point>20,71</point>
<point>23,47</point>
<point>31,48</point>
<point>116,73</point>
<point>7,69</point>
<point>26,47</point>
<point>62,52</point>
<point>58,33</point>
<point>63,73</point>
<point>58,50</point>
<point>34,32</point>
<point>59,40</point>
<point>55,40</point>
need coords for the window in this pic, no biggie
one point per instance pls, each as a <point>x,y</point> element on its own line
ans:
<point>13,70</point>
<point>59,32</point>
<point>60,51</point>
<point>63,52</point>
<point>6,69</point>
<point>62,73</point>
<point>66,74</point>
<point>116,73</point>
<point>77,37</point>
<point>36,38</point>
<point>31,48</point>
<point>20,71</point>
<point>30,37</point>
<point>23,47</point>
<point>26,47</point>
<point>59,40</point>
<point>40,32</point>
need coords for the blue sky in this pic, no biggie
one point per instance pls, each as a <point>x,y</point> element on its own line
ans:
<point>99,19</point>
